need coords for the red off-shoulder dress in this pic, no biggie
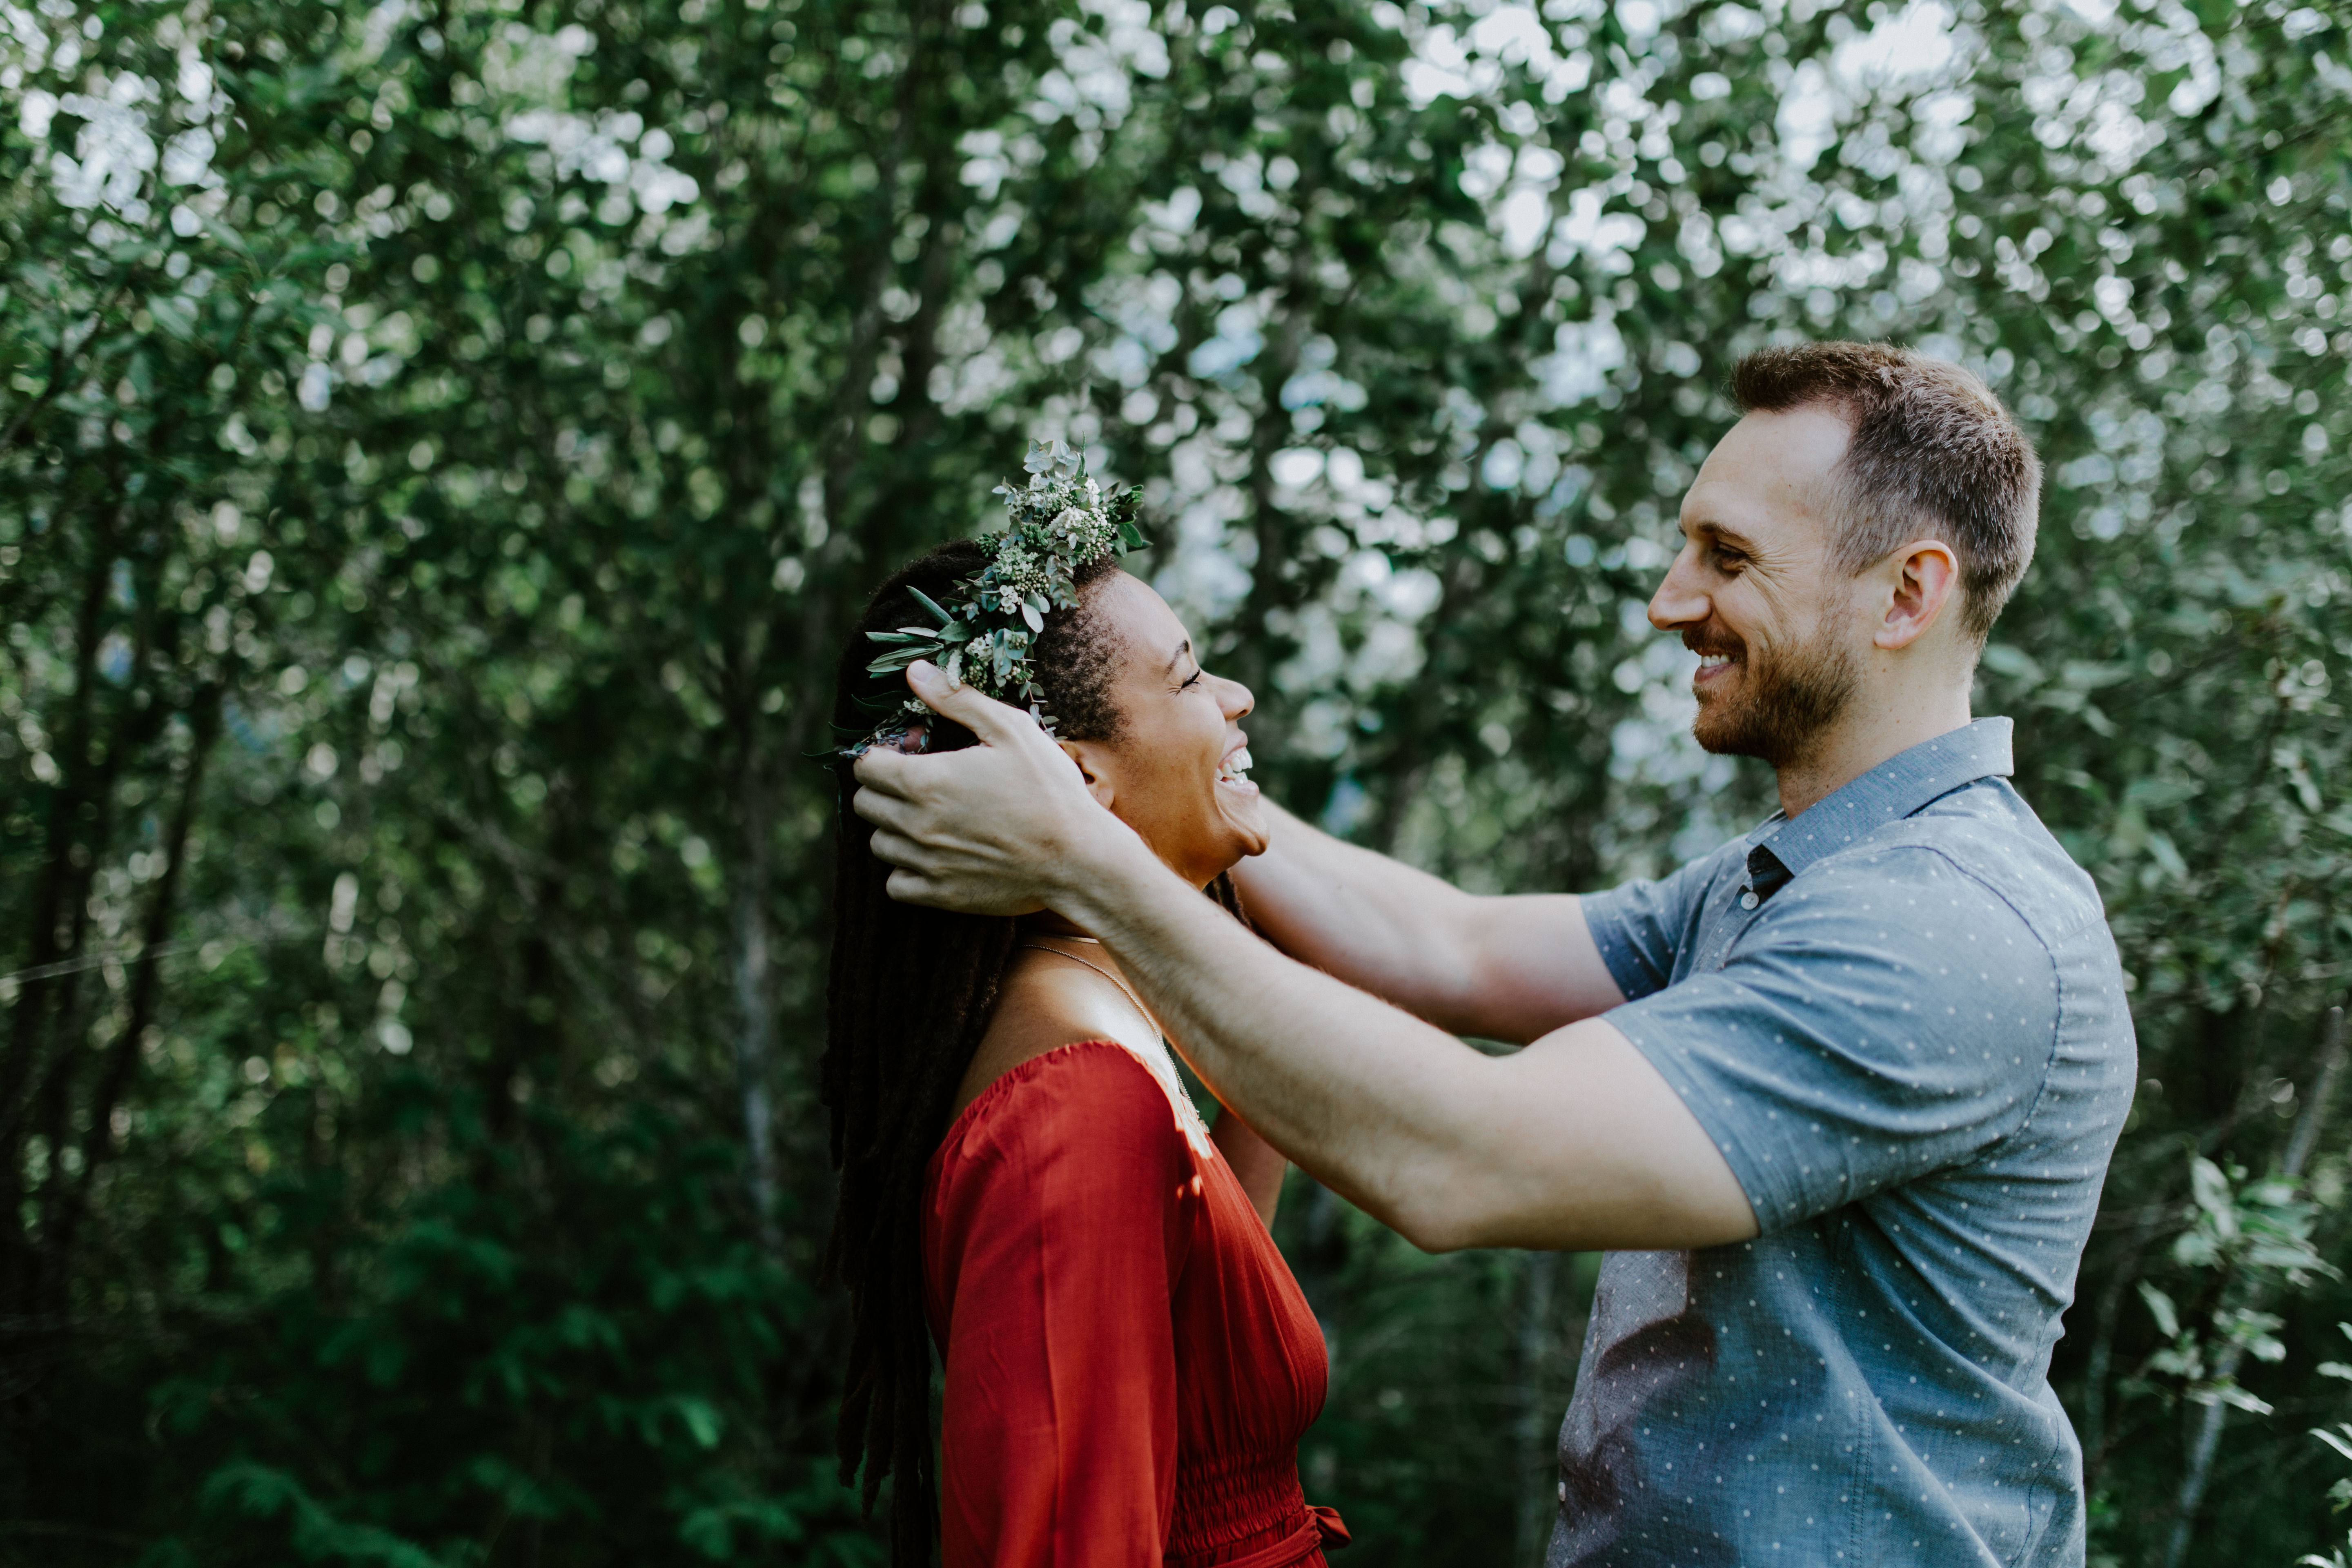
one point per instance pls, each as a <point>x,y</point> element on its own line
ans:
<point>1129,1363</point>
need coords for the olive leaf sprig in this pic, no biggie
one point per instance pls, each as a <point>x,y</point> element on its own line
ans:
<point>988,630</point>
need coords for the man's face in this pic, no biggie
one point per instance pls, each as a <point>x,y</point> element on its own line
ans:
<point>1756,593</point>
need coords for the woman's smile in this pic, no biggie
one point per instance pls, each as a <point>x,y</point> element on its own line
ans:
<point>1232,771</point>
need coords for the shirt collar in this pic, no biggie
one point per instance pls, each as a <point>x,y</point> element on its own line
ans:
<point>1895,789</point>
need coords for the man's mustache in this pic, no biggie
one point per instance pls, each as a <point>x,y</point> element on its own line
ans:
<point>1709,639</point>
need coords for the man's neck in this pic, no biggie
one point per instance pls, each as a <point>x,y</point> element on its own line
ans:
<point>1871,730</point>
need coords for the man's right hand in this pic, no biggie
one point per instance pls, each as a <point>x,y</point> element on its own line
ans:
<point>1004,828</point>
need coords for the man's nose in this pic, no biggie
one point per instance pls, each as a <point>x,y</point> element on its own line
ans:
<point>1679,601</point>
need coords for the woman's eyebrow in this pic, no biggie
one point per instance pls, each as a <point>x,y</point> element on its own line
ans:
<point>1182,649</point>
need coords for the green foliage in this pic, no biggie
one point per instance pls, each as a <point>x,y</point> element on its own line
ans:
<point>442,446</point>
<point>2339,1496</point>
<point>2246,1238</point>
<point>1059,521</point>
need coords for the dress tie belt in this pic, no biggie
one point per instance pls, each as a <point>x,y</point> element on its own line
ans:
<point>1321,1528</point>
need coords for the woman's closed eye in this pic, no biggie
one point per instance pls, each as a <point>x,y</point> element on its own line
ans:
<point>1194,679</point>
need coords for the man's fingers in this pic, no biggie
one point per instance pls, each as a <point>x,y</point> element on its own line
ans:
<point>912,887</point>
<point>915,887</point>
<point>884,772</point>
<point>877,806</point>
<point>995,723</point>
<point>893,849</point>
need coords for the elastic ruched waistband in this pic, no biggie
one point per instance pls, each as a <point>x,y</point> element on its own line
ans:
<point>1232,1498</point>
<point>1317,1528</point>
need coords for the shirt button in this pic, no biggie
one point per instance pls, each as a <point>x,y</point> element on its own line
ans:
<point>1747,900</point>
<point>1563,1491</point>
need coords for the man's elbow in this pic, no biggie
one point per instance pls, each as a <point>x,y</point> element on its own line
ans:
<point>1450,1220</point>
<point>1436,1234</point>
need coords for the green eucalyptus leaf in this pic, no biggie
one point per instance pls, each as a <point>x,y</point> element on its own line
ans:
<point>932,604</point>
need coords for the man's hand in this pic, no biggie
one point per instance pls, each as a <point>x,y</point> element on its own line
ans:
<point>995,829</point>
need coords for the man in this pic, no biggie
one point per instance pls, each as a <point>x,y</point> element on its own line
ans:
<point>1839,1097</point>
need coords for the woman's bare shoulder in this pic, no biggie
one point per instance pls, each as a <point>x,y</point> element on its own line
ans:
<point>1046,1002</point>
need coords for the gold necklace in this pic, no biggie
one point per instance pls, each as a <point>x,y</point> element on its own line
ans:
<point>1125,990</point>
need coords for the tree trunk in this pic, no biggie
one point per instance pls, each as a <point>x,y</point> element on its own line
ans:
<point>98,1139</point>
<point>755,1027</point>
<point>1537,1445</point>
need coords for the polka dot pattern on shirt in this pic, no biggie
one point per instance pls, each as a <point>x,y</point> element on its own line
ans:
<point>1901,1017</point>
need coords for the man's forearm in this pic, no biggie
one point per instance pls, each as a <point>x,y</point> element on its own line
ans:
<point>1376,924</point>
<point>1575,1143</point>
<point>1500,968</point>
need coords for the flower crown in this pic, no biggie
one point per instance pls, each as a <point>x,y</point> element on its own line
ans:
<point>1060,522</point>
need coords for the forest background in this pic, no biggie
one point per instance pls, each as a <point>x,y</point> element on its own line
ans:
<point>443,443</point>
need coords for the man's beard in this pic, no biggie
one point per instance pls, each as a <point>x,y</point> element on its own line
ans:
<point>1782,701</point>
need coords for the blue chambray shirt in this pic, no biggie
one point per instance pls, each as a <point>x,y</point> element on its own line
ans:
<point>1901,1019</point>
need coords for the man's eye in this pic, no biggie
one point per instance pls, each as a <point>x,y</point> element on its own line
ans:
<point>1729,560</point>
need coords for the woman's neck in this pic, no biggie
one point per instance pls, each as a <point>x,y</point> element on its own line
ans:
<point>1046,922</point>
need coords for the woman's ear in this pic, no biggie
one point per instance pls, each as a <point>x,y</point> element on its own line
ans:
<point>1095,766</point>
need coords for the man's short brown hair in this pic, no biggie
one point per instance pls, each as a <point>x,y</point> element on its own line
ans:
<point>1932,452</point>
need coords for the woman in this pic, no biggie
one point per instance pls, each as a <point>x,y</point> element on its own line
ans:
<point>1129,1362</point>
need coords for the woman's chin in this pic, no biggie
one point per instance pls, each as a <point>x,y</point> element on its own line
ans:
<point>1210,844</point>
<point>1244,810</point>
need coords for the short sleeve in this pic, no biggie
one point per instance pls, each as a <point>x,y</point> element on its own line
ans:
<point>1875,1024</point>
<point>1058,1227</point>
<point>1640,926</point>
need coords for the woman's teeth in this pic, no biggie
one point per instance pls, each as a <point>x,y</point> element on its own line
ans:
<point>1235,769</point>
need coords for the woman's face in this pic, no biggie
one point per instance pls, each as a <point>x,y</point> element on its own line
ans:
<point>1173,773</point>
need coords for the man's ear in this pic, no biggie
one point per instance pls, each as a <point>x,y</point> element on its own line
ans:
<point>1094,765</point>
<point>1921,579</point>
